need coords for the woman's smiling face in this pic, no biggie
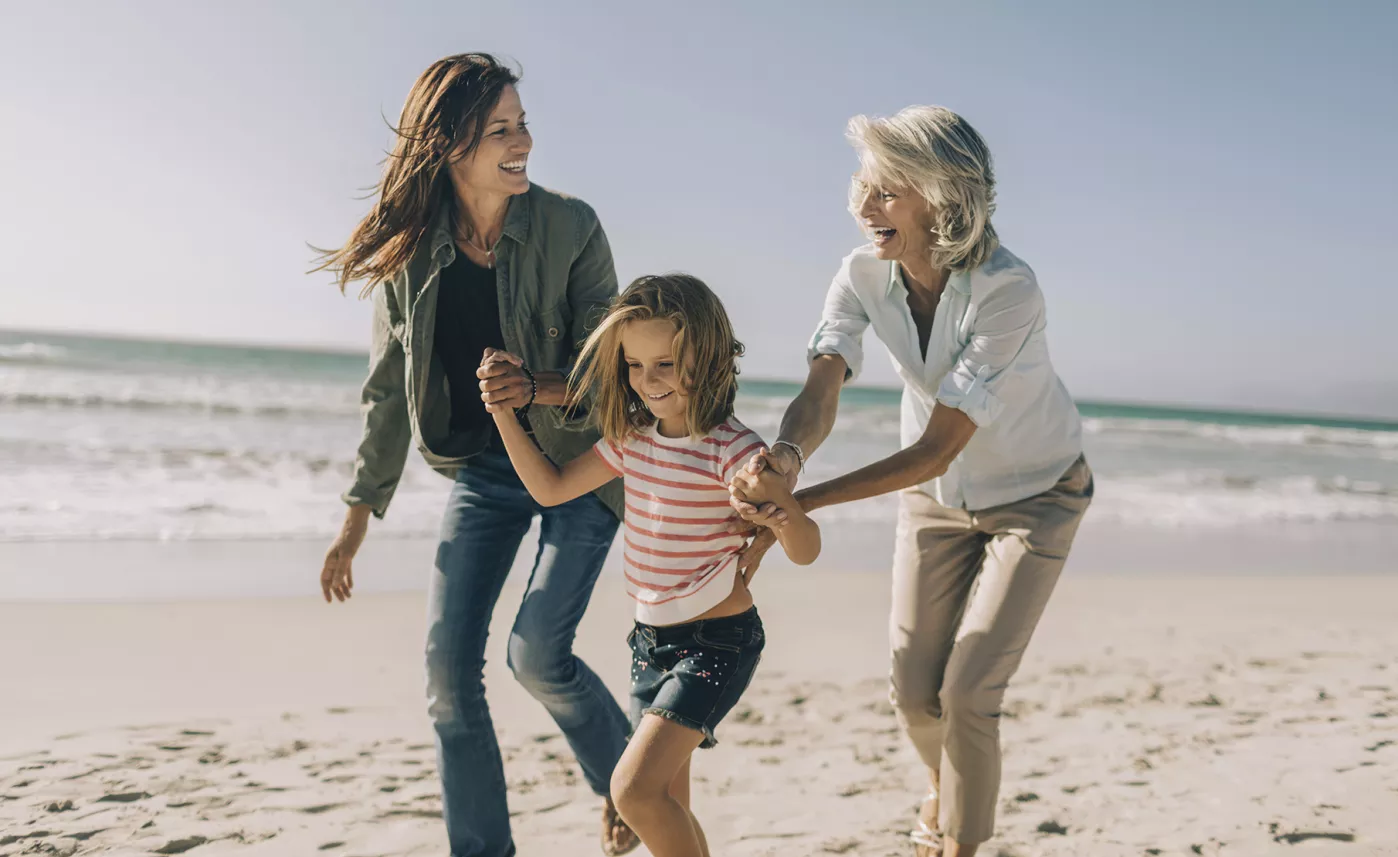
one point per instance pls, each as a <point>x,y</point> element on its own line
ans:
<point>500,160</point>
<point>898,220</point>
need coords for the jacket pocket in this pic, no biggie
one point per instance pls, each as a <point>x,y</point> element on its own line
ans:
<point>546,334</point>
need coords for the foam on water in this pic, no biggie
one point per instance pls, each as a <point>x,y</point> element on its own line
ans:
<point>129,440</point>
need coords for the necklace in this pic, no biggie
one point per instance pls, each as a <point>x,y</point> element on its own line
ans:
<point>484,251</point>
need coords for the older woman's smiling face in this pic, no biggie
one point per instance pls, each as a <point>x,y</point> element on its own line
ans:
<point>898,220</point>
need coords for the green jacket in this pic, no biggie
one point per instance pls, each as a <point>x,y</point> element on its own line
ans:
<point>555,277</point>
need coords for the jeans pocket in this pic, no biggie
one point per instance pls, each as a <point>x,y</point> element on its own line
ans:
<point>730,638</point>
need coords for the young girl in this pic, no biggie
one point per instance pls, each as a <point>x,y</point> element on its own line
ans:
<point>661,376</point>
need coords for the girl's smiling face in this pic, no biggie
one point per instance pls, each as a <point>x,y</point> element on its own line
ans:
<point>647,347</point>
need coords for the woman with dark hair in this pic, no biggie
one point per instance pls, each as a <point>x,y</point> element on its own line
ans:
<point>460,254</point>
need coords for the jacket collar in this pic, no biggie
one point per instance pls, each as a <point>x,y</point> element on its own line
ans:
<point>442,244</point>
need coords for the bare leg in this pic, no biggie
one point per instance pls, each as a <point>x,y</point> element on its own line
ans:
<point>641,787</point>
<point>679,790</point>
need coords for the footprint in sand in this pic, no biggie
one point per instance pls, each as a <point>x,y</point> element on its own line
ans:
<point>411,813</point>
<point>123,797</point>
<point>1304,836</point>
<point>180,846</point>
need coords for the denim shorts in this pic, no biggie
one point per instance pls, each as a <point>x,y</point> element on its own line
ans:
<point>693,673</point>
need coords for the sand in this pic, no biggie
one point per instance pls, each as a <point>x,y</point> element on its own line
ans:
<point>1171,715</point>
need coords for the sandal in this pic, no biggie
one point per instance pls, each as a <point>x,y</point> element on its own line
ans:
<point>923,836</point>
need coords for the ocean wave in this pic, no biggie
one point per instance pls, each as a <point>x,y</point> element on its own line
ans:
<point>137,402</point>
<point>1298,435</point>
<point>204,494</point>
<point>238,396</point>
<point>31,352</point>
<point>1216,500</point>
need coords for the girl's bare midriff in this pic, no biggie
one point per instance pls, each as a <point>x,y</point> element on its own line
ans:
<point>738,601</point>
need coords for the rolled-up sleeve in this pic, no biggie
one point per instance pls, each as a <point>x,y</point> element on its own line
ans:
<point>1002,325</point>
<point>383,447</point>
<point>842,325</point>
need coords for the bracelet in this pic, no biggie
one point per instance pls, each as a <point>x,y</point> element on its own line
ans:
<point>533,391</point>
<point>800,456</point>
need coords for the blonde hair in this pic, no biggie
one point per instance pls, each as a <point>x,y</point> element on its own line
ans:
<point>705,350</point>
<point>937,154</point>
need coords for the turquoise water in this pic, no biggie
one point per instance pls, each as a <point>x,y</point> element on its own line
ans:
<point>890,396</point>
<point>108,438</point>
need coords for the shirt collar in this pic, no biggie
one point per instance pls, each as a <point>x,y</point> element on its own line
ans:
<point>959,280</point>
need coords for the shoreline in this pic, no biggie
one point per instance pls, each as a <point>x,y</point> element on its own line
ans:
<point>199,569</point>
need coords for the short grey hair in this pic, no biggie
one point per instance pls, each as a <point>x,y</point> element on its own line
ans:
<point>937,154</point>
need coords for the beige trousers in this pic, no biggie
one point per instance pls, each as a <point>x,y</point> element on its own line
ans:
<point>968,590</point>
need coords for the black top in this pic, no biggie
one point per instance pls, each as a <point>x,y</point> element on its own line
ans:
<point>468,322</point>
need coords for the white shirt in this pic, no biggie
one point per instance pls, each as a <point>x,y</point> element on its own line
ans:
<point>987,356</point>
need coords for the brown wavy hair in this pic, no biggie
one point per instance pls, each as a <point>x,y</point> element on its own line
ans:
<point>706,356</point>
<point>443,119</point>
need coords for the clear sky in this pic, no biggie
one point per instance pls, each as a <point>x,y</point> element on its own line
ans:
<point>1204,189</point>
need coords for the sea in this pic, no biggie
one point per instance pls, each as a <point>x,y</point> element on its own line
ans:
<point>108,439</point>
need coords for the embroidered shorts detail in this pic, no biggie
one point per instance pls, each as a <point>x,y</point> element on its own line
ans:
<point>694,673</point>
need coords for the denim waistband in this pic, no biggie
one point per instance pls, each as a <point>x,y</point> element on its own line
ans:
<point>659,634</point>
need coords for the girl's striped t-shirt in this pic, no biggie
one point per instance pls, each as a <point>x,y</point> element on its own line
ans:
<point>679,557</point>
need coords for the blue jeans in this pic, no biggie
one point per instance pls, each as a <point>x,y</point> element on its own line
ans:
<point>486,519</point>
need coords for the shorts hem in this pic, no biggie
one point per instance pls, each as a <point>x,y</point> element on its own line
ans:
<point>709,739</point>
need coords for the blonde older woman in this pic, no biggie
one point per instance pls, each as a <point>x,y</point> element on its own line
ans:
<point>992,478</point>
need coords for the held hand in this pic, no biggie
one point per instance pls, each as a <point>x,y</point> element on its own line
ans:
<point>751,556</point>
<point>505,386</point>
<point>758,488</point>
<point>779,459</point>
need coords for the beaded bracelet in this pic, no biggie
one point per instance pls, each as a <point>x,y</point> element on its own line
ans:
<point>533,391</point>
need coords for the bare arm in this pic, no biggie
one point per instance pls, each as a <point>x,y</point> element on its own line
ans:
<point>548,484</point>
<point>811,415</point>
<point>807,423</point>
<point>947,433</point>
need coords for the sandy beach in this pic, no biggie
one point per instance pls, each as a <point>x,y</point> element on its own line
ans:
<point>1154,715</point>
